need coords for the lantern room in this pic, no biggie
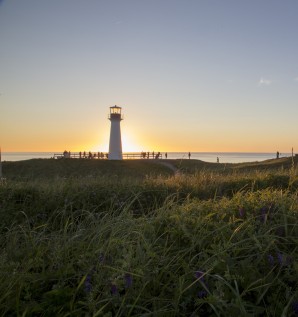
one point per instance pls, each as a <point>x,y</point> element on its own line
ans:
<point>115,113</point>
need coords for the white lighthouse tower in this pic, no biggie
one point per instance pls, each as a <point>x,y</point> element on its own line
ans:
<point>115,147</point>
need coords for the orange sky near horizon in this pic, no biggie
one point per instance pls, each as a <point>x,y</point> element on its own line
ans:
<point>136,140</point>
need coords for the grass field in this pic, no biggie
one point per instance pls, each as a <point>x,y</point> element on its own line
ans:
<point>149,238</point>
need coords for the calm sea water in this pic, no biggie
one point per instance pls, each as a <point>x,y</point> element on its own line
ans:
<point>224,157</point>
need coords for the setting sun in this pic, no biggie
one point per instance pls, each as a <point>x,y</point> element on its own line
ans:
<point>129,144</point>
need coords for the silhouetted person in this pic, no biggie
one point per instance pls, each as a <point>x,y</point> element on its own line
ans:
<point>277,154</point>
<point>166,155</point>
<point>80,154</point>
<point>217,160</point>
<point>189,155</point>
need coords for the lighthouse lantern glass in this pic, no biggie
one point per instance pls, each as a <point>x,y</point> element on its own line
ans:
<point>115,110</point>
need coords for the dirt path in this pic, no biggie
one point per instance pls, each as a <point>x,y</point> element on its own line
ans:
<point>170,166</point>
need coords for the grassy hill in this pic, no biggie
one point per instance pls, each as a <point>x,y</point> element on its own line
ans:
<point>148,238</point>
<point>191,166</point>
<point>50,168</point>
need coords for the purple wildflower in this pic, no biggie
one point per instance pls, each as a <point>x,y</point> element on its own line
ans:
<point>87,284</point>
<point>280,232</point>
<point>241,212</point>
<point>271,259</point>
<point>200,276</point>
<point>284,260</point>
<point>128,280</point>
<point>263,214</point>
<point>280,259</point>
<point>114,289</point>
<point>101,258</point>
<point>202,294</point>
<point>295,307</point>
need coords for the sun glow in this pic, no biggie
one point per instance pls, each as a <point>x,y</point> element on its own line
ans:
<point>129,144</point>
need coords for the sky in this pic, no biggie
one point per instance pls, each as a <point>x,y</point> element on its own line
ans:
<point>190,75</point>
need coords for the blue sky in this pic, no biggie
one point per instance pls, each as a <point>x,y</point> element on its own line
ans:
<point>190,75</point>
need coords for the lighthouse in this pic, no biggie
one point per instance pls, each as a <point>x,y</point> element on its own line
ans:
<point>115,147</point>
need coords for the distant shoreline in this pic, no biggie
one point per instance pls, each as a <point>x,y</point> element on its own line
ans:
<point>224,157</point>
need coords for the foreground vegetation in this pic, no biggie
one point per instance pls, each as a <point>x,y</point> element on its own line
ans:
<point>146,238</point>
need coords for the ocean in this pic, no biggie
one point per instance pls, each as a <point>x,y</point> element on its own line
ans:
<point>224,157</point>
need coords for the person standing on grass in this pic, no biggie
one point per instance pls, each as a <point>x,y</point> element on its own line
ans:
<point>166,155</point>
<point>189,155</point>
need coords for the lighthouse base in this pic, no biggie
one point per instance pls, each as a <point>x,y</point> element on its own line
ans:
<point>113,156</point>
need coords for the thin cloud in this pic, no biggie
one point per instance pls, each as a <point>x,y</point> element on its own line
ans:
<point>296,79</point>
<point>264,82</point>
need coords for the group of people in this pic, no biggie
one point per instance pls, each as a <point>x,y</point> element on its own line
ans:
<point>153,155</point>
<point>89,155</point>
<point>144,155</point>
<point>158,155</point>
<point>99,155</point>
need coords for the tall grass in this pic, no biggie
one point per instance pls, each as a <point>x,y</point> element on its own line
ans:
<point>203,244</point>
